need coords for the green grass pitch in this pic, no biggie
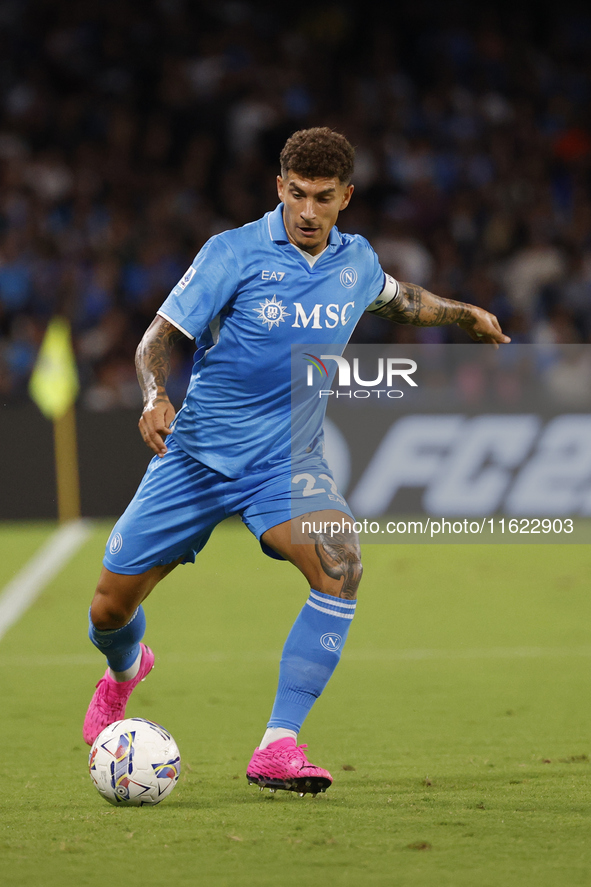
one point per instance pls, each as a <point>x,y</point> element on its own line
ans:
<point>457,726</point>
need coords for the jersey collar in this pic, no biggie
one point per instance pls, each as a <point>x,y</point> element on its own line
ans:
<point>278,234</point>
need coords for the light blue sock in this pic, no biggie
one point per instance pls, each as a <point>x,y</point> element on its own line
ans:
<point>121,646</point>
<point>310,655</point>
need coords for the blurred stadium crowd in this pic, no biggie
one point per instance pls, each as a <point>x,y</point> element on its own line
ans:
<point>133,130</point>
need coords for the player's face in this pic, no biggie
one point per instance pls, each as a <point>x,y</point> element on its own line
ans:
<point>311,208</point>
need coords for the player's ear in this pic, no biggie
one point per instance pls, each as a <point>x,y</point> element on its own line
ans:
<point>280,187</point>
<point>347,196</point>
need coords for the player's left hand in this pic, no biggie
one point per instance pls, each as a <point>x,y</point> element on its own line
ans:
<point>154,425</point>
<point>482,326</point>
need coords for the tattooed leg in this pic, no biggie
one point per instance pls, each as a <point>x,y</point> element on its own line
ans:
<point>321,547</point>
<point>340,558</point>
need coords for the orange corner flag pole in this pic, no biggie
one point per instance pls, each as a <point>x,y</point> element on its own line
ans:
<point>66,466</point>
<point>54,386</point>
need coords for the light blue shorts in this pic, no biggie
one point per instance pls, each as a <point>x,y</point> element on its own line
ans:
<point>180,501</point>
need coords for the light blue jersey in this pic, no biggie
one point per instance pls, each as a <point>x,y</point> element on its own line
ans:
<point>248,297</point>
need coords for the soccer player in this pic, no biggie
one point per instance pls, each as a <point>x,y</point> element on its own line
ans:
<point>250,294</point>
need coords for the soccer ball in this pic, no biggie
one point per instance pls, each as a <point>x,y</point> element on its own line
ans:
<point>134,762</point>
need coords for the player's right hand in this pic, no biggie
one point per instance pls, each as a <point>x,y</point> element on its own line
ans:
<point>154,424</point>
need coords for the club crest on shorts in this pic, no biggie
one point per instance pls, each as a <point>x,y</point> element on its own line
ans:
<point>116,543</point>
<point>331,641</point>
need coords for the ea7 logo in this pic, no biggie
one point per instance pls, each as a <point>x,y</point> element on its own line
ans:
<point>272,275</point>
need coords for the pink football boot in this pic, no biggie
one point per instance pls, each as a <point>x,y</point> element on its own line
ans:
<point>283,764</point>
<point>110,698</point>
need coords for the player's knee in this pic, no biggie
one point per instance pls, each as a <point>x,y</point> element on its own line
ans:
<point>341,575</point>
<point>107,612</point>
<point>354,571</point>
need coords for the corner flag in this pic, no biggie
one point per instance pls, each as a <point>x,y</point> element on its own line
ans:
<point>53,386</point>
<point>54,381</point>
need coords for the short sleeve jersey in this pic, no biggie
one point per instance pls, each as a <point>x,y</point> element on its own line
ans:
<point>247,298</point>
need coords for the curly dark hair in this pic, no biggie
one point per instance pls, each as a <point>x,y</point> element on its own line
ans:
<point>318,153</point>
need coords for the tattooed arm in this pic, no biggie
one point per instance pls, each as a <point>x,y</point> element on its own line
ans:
<point>152,363</point>
<point>417,306</point>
